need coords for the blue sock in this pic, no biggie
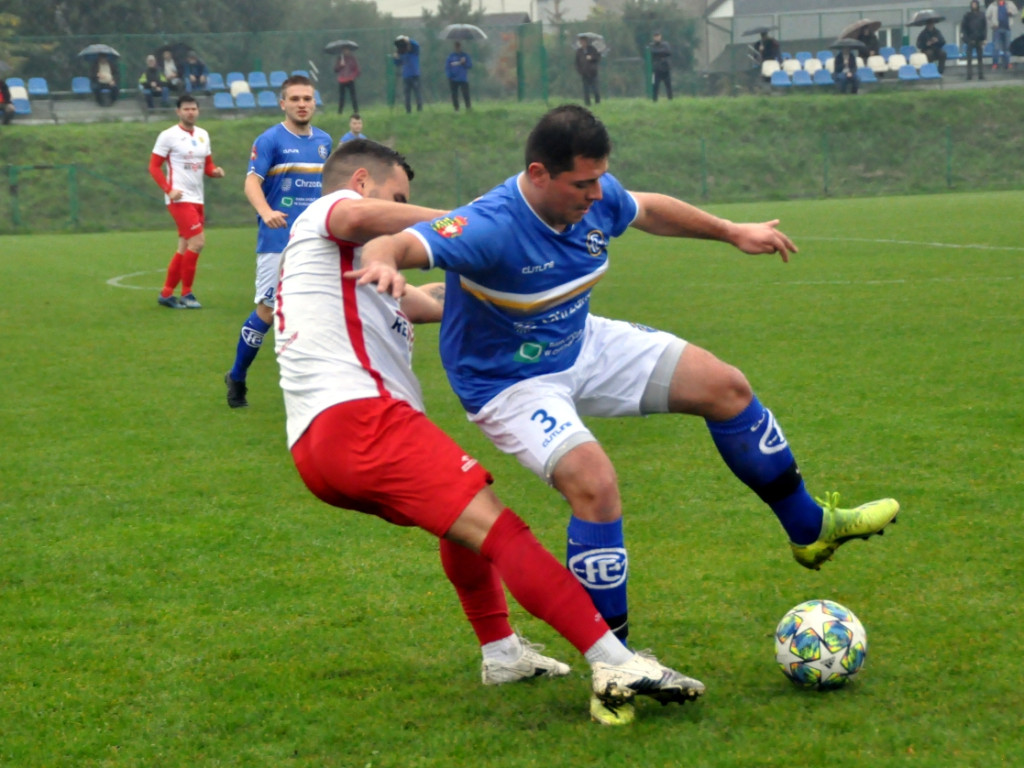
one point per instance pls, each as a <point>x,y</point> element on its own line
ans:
<point>596,555</point>
<point>249,342</point>
<point>754,448</point>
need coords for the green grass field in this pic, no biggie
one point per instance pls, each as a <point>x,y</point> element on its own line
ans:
<point>171,595</point>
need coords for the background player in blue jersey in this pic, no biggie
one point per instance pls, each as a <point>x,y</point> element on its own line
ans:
<point>283,179</point>
<point>528,360</point>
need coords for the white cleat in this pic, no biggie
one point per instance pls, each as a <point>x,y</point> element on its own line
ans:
<point>530,664</point>
<point>642,675</point>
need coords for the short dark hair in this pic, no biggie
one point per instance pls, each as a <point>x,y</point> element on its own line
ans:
<point>355,116</point>
<point>376,158</point>
<point>187,97</point>
<point>295,80</point>
<point>565,133</point>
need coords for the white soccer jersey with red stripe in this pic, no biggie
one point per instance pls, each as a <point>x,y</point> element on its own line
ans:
<point>335,341</point>
<point>186,154</point>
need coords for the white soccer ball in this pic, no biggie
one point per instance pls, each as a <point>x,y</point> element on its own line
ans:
<point>820,644</point>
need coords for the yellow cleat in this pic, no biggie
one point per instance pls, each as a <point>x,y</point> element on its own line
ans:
<point>608,714</point>
<point>838,526</point>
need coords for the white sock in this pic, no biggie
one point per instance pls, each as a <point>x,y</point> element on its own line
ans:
<point>507,650</point>
<point>609,650</point>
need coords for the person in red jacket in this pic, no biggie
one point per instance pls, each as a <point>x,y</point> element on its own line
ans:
<point>185,148</point>
<point>347,70</point>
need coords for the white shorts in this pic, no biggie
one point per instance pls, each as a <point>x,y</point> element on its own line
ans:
<point>268,267</point>
<point>623,369</point>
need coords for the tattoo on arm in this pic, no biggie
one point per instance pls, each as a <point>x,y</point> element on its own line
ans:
<point>436,292</point>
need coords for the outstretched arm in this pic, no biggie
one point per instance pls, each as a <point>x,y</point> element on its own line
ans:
<point>359,220</point>
<point>383,257</point>
<point>669,217</point>
<point>424,303</point>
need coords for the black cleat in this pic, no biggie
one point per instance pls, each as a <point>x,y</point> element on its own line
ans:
<point>236,392</point>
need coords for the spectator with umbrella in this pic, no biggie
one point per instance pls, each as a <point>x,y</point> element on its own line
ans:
<point>845,73</point>
<point>588,61</point>
<point>931,41</point>
<point>456,69</point>
<point>346,68</point>
<point>767,47</point>
<point>1001,15</point>
<point>866,31</point>
<point>103,72</point>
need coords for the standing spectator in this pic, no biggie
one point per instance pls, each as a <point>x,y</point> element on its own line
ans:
<point>407,60</point>
<point>355,129</point>
<point>104,81</point>
<point>931,42</point>
<point>282,180</point>
<point>6,107</point>
<point>347,70</point>
<point>153,83</point>
<point>172,72</point>
<point>973,31</point>
<point>456,69</point>
<point>185,148</point>
<point>588,59</point>
<point>768,48</point>
<point>661,61</point>
<point>846,70</point>
<point>1000,16</point>
<point>195,72</point>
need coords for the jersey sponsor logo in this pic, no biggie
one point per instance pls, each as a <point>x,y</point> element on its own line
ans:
<point>286,184</point>
<point>289,151</point>
<point>604,568</point>
<point>468,462</point>
<point>449,226</point>
<point>642,327</point>
<point>533,269</point>
<point>597,243</point>
<point>529,352</point>
<point>307,183</point>
<point>287,202</point>
<point>404,328</point>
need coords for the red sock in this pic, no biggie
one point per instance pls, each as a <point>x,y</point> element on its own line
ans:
<point>188,271</point>
<point>173,275</point>
<point>479,589</point>
<point>540,583</point>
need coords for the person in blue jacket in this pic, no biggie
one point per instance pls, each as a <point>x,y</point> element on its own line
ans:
<point>456,69</point>
<point>407,59</point>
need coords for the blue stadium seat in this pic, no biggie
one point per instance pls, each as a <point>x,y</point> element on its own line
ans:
<point>780,79</point>
<point>886,51</point>
<point>22,106</point>
<point>277,78</point>
<point>80,86</point>
<point>930,71</point>
<point>215,82</point>
<point>257,80</point>
<point>802,56</point>
<point>823,77</point>
<point>38,87</point>
<point>245,100</point>
<point>13,81</point>
<point>233,77</point>
<point>266,99</point>
<point>866,75</point>
<point>952,51</point>
<point>786,56</point>
<point>906,50</point>
<point>908,74</point>
<point>824,56</point>
<point>987,51</point>
<point>317,99</point>
<point>802,78</point>
<point>223,100</point>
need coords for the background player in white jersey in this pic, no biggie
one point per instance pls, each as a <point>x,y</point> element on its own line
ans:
<point>360,440</point>
<point>185,148</point>
<point>527,359</point>
<point>283,179</point>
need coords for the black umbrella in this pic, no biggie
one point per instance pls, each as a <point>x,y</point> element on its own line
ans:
<point>462,32</point>
<point>1017,46</point>
<point>923,17</point>
<point>90,52</point>
<point>864,26</point>
<point>848,42</point>
<point>758,30</point>
<point>336,46</point>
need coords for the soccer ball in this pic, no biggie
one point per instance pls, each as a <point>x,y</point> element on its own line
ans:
<point>820,644</point>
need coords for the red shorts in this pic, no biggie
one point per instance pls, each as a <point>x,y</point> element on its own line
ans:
<point>188,217</point>
<point>385,458</point>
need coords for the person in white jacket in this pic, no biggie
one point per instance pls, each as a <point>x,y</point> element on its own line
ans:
<point>1001,16</point>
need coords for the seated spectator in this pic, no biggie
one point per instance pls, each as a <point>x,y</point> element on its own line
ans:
<point>195,72</point>
<point>153,83</point>
<point>846,71</point>
<point>6,107</point>
<point>931,42</point>
<point>172,72</point>
<point>870,40</point>
<point>104,81</point>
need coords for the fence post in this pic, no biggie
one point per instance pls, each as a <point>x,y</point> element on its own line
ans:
<point>544,70</point>
<point>73,194</point>
<point>824,162</point>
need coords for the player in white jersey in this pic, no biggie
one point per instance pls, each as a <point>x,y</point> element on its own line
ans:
<point>185,148</point>
<point>360,440</point>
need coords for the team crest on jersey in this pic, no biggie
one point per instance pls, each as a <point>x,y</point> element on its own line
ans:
<point>449,226</point>
<point>323,150</point>
<point>596,242</point>
<point>252,155</point>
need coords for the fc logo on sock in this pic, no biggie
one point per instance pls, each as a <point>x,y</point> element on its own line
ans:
<point>600,568</point>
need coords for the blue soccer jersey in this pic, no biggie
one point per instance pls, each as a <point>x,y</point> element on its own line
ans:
<point>518,291</point>
<point>290,166</point>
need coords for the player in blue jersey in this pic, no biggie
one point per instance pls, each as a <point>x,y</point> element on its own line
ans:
<point>283,179</point>
<point>528,360</point>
